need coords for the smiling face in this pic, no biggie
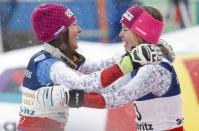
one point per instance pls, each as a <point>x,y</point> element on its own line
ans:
<point>130,39</point>
<point>67,41</point>
<point>74,31</point>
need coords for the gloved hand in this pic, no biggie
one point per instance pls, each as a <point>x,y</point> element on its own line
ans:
<point>167,50</point>
<point>140,55</point>
<point>58,96</point>
<point>79,98</point>
<point>52,96</point>
<point>146,54</point>
<point>76,98</point>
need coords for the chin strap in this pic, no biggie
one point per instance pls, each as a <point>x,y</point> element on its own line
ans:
<point>73,63</point>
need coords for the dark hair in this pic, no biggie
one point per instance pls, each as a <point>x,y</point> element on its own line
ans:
<point>62,42</point>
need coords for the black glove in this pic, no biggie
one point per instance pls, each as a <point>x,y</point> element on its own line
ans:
<point>75,98</point>
<point>140,55</point>
<point>146,54</point>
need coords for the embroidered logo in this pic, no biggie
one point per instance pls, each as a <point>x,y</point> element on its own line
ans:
<point>40,57</point>
<point>141,31</point>
<point>128,16</point>
<point>69,13</point>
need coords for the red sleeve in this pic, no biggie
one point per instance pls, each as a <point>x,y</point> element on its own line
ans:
<point>94,100</point>
<point>110,74</point>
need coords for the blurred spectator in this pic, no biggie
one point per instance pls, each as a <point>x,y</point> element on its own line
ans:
<point>179,11</point>
<point>7,9</point>
<point>120,7</point>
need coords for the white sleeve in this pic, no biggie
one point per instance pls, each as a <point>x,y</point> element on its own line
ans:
<point>149,78</point>
<point>116,84</point>
<point>91,65</point>
<point>72,79</point>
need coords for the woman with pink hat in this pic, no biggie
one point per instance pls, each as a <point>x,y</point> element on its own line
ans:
<point>56,68</point>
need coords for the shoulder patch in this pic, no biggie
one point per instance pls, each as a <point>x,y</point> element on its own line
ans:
<point>39,58</point>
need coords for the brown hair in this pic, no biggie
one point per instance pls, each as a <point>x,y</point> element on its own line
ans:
<point>154,12</point>
<point>62,42</point>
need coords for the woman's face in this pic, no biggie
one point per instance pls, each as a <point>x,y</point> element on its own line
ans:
<point>128,38</point>
<point>74,31</point>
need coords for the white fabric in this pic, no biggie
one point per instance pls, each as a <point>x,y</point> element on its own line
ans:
<point>33,106</point>
<point>60,73</point>
<point>91,65</point>
<point>160,113</point>
<point>146,81</point>
<point>72,79</point>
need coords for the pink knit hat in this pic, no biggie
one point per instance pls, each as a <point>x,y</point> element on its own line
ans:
<point>143,24</point>
<point>50,20</point>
